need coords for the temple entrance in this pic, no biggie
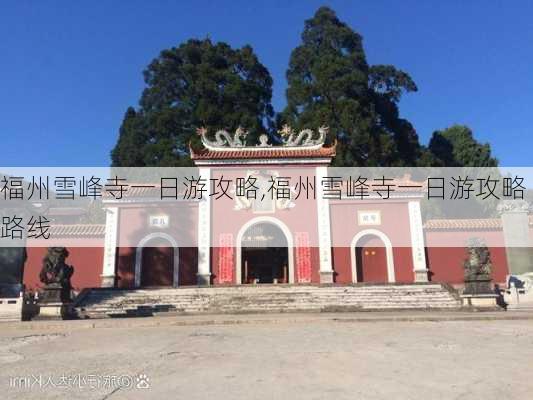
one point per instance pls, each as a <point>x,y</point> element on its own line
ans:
<point>371,260</point>
<point>157,265</point>
<point>265,255</point>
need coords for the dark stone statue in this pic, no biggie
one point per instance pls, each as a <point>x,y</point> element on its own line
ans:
<point>56,274</point>
<point>478,267</point>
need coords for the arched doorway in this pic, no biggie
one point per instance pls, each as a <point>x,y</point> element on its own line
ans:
<point>371,261</point>
<point>264,253</point>
<point>372,257</point>
<point>157,261</point>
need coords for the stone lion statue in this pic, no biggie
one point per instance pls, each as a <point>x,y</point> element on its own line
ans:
<point>55,271</point>
<point>478,264</point>
<point>477,268</point>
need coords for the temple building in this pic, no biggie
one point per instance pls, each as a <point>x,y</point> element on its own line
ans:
<point>239,242</point>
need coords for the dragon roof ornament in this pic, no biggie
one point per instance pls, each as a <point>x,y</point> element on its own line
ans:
<point>306,138</point>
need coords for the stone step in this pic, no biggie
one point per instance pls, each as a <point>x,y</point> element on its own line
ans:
<point>258,293</point>
<point>288,299</point>
<point>259,299</point>
<point>267,299</point>
<point>267,304</point>
<point>179,293</point>
<point>231,293</point>
<point>137,313</point>
<point>278,308</point>
<point>264,288</point>
<point>322,297</point>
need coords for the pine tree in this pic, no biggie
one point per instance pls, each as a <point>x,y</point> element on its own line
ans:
<point>198,84</point>
<point>330,83</point>
<point>457,147</point>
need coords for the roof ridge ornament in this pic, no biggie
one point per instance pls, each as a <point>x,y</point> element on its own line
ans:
<point>290,139</point>
<point>304,138</point>
<point>223,139</point>
<point>263,141</point>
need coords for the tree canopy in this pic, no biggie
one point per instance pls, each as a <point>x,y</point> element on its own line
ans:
<point>212,85</point>
<point>196,84</point>
<point>330,82</point>
<point>457,147</point>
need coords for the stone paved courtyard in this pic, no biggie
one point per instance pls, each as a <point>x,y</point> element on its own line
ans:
<point>312,357</point>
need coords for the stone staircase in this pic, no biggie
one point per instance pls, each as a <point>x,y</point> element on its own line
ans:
<point>102,303</point>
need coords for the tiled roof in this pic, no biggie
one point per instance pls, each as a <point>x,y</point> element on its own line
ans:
<point>480,223</point>
<point>77,230</point>
<point>262,153</point>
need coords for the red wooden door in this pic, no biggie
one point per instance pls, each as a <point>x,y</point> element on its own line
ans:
<point>157,266</point>
<point>371,260</point>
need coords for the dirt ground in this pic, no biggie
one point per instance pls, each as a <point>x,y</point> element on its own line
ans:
<point>307,358</point>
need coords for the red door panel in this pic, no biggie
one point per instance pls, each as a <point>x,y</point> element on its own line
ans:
<point>371,260</point>
<point>157,266</point>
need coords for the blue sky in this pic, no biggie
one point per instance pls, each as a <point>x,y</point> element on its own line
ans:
<point>69,70</point>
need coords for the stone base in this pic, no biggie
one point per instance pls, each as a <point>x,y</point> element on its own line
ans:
<point>421,275</point>
<point>54,294</point>
<point>326,276</point>
<point>54,311</point>
<point>480,300</point>
<point>54,303</point>
<point>108,280</point>
<point>478,287</point>
<point>203,279</point>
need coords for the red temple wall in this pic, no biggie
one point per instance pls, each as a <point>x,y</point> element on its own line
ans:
<point>446,263</point>
<point>87,262</point>
<point>403,264</point>
<point>182,223</point>
<point>227,220</point>
<point>341,260</point>
<point>394,224</point>
<point>125,267</point>
<point>182,226</point>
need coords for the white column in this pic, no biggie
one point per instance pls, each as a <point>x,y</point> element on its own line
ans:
<point>324,229</point>
<point>417,242</point>
<point>110,247</point>
<point>515,223</point>
<point>204,232</point>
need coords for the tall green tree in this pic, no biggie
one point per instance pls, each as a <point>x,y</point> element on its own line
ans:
<point>457,147</point>
<point>330,83</point>
<point>199,83</point>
